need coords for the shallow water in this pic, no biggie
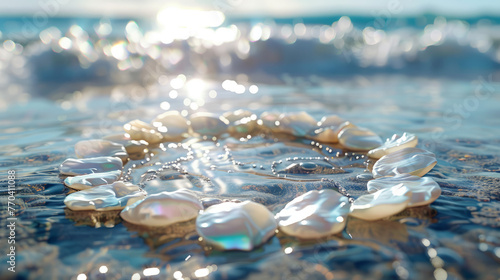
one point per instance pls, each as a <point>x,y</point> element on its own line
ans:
<point>456,237</point>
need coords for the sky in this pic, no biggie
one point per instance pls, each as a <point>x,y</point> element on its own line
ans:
<point>273,8</point>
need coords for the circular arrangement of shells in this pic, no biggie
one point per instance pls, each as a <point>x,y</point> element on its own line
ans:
<point>397,183</point>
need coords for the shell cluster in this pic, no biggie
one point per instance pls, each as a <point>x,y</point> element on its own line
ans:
<point>398,183</point>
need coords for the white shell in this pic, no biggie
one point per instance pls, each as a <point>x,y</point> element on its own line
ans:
<point>131,146</point>
<point>241,121</point>
<point>328,134</point>
<point>100,148</point>
<point>88,181</point>
<point>163,209</point>
<point>413,161</point>
<point>332,120</point>
<point>236,226</point>
<point>237,115</point>
<point>172,125</point>
<point>270,120</point>
<point>298,124</point>
<point>105,198</point>
<point>359,139</point>
<point>424,189</point>
<point>139,130</point>
<point>381,204</point>
<point>208,124</point>
<point>396,143</point>
<point>314,214</point>
<point>73,166</point>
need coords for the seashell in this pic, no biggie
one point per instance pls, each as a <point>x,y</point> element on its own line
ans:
<point>172,125</point>
<point>100,148</point>
<point>314,214</point>
<point>424,189</point>
<point>72,166</point>
<point>328,134</point>
<point>105,198</point>
<point>332,120</point>
<point>163,209</point>
<point>88,181</point>
<point>413,161</point>
<point>139,130</point>
<point>270,120</point>
<point>298,124</point>
<point>131,146</point>
<point>395,143</point>
<point>359,139</point>
<point>208,124</point>
<point>241,121</point>
<point>381,204</point>
<point>236,226</point>
<point>237,115</point>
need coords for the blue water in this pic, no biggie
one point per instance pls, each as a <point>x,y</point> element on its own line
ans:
<point>446,93</point>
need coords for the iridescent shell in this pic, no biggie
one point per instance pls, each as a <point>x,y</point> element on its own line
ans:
<point>237,115</point>
<point>395,143</point>
<point>131,146</point>
<point>332,120</point>
<point>270,120</point>
<point>424,189</point>
<point>298,124</point>
<point>73,166</point>
<point>163,209</point>
<point>172,125</point>
<point>100,148</point>
<point>328,134</point>
<point>105,198</point>
<point>236,226</point>
<point>208,124</point>
<point>314,214</point>
<point>359,139</point>
<point>381,204</point>
<point>413,161</point>
<point>241,121</point>
<point>88,181</point>
<point>139,130</point>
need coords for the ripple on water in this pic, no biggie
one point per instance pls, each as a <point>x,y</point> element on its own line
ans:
<point>462,222</point>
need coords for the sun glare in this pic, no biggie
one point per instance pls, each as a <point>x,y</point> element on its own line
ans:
<point>176,17</point>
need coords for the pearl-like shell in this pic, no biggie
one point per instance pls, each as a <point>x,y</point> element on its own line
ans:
<point>424,189</point>
<point>359,139</point>
<point>270,120</point>
<point>413,161</point>
<point>328,134</point>
<point>381,204</point>
<point>241,121</point>
<point>395,143</point>
<point>208,124</point>
<point>100,148</point>
<point>236,226</point>
<point>237,115</point>
<point>172,125</point>
<point>131,146</point>
<point>139,130</point>
<point>314,214</point>
<point>88,181</point>
<point>298,124</point>
<point>105,198</point>
<point>163,209</point>
<point>332,120</point>
<point>72,166</point>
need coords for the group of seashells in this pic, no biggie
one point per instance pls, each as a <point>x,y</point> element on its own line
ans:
<point>397,183</point>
